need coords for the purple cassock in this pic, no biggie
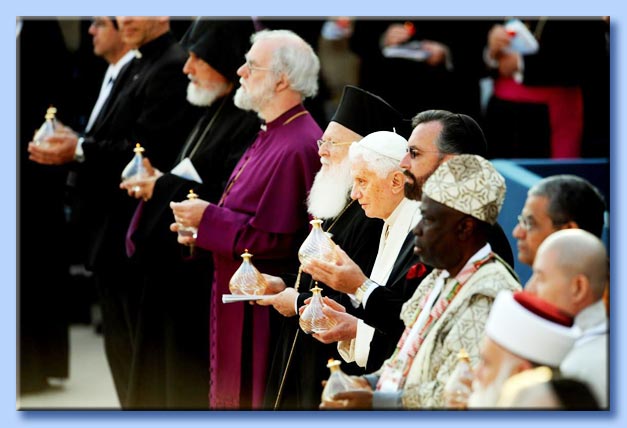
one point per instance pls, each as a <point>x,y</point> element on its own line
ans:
<point>263,210</point>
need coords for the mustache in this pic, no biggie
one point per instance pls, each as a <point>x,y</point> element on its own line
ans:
<point>408,174</point>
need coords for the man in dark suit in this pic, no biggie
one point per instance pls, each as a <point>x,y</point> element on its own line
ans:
<point>171,353</point>
<point>147,105</point>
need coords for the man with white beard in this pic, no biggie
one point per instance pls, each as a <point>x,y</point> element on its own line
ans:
<point>358,114</point>
<point>522,332</point>
<point>171,346</point>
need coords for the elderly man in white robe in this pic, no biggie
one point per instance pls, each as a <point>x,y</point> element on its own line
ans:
<point>378,186</point>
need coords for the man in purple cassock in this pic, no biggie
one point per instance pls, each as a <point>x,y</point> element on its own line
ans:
<point>262,210</point>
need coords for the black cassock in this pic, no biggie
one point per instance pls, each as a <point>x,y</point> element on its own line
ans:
<point>170,363</point>
<point>359,237</point>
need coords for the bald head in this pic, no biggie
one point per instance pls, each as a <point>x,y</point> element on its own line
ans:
<point>570,270</point>
<point>579,252</point>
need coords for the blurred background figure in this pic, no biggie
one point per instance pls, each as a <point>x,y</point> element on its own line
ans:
<point>421,64</point>
<point>542,389</point>
<point>551,90</point>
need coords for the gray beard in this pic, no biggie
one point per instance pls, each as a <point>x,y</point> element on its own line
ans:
<point>330,191</point>
<point>203,97</point>
<point>254,102</point>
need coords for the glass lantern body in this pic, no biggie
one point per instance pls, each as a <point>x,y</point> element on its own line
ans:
<point>313,320</point>
<point>135,169</point>
<point>247,280</point>
<point>188,231</point>
<point>317,246</point>
<point>46,129</point>
<point>338,382</point>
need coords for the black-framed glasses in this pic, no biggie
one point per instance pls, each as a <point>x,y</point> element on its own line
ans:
<point>333,143</point>
<point>414,153</point>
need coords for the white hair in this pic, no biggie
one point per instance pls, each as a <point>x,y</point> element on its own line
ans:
<point>378,163</point>
<point>295,58</point>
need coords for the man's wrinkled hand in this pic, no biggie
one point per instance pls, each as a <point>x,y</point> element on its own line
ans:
<point>59,148</point>
<point>189,213</point>
<point>345,327</point>
<point>142,188</point>
<point>357,400</point>
<point>344,275</point>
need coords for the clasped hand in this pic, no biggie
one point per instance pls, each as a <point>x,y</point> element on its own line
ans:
<point>59,148</point>
<point>187,213</point>
<point>344,275</point>
<point>142,187</point>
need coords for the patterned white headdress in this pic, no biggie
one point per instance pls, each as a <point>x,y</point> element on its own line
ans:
<point>468,184</point>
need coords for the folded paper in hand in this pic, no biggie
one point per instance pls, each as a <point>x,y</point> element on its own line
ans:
<point>412,51</point>
<point>185,169</point>
<point>523,41</point>
<point>230,298</point>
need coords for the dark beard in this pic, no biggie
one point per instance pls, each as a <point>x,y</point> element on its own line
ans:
<point>413,188</point>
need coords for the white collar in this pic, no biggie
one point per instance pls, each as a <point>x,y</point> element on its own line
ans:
<point>114,69</point>
<point>591,316</point>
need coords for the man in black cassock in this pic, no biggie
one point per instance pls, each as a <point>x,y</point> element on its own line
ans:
<point>358,114</point>
<point>170,360</point>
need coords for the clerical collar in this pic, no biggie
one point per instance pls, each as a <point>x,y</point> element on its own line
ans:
<point>156,46</point>
<point>114,69</point>
<point>392,217</point>
<point>287,117</point>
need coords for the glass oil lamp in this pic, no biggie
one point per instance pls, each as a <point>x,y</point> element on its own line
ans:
<point>317,246</point>
<point>247,279</point>
<point>185,231</point>
<point>313,320</point>
<point>135,169</point>
<point>47,128</point>
<point>338,382</point>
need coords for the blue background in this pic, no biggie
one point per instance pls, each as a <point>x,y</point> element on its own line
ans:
<point>12,418</point>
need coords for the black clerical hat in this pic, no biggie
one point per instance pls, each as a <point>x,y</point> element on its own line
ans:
<point>364,113</point>
<point>221,44</point>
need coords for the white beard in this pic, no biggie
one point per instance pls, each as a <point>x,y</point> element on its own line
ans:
<point>330,190</point>
<point>248,100</point>
<point>203,96</point>
<point>487,397</point>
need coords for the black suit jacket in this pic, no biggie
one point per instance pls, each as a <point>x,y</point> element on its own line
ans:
<point>383,307</point>
<point>148,106</point>
<point>214,152</point>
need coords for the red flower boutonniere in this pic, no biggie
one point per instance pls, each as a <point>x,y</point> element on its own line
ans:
<point>416,271</point>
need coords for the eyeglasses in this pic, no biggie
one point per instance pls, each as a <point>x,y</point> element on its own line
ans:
<point>333,143</point>
<point>525,223</point>
<point>414,153</point>
<point>252,67</point>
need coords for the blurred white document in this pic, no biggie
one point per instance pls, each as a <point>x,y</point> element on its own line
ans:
<point>411,50</point>
<point>185,169</point>
<point>522,40</point>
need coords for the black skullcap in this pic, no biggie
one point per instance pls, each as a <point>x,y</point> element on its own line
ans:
<point>364,113</point>
<point>474,142</point>
<point>221,44</point>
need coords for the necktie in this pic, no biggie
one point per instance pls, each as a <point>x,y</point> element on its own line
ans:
<point>105,90</point>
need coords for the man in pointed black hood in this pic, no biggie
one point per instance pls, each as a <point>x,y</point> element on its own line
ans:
<point>296,384</point>
<point>170,358</point>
